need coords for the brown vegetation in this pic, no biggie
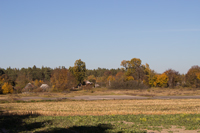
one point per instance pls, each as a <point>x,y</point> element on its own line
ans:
<point>105,107</point>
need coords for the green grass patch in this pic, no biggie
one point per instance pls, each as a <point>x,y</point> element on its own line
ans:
<point>97,124</point>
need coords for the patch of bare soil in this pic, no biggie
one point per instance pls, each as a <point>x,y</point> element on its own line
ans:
<point>174,129</point>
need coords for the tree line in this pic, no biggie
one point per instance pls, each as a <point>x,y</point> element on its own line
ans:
<point>132,75</point>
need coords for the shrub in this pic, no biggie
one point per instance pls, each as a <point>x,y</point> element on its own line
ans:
<point>87,87</point>
<point>18,89</point>
<point>38,90</point>
<point>131,84</point>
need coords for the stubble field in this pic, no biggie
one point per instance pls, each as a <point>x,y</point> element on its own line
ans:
<point>105,107</point>
<point>101,116</point>
<point>139,116</point>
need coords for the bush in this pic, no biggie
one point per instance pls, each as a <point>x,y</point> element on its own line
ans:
<point>18,89</point>
<point>131,84</point>
<point>38,90</point>
<point>87,87</point>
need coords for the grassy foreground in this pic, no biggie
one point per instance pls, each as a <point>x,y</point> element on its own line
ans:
<point>98,124</point>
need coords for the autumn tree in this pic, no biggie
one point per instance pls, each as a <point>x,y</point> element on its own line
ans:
<point>101,81</point>
<point>38,83</point>
<point>148,73</point>
<point>124,63</point>
<point>21,80</point>
<point>62,79</point>
<point>110,78</point>
<point>128,78</point>
<point>134,68</point>
<point>120,76</point>
<point>192,77</point>
<point>162,80</point>
<point>159,80</point>
<point>7,88</point>
<point>173,76</point>
<point>198,75</point>
<point>152,79</point>
<point>92,79</point>
<point>79,71</point>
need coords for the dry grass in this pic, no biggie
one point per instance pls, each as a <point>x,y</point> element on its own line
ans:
<point>105,107</point>
<point>163,92</point>
<point>145,92</point>
<point>104,91</point>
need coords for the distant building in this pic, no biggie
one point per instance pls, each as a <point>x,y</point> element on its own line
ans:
<point>88,82</point>
<point>45,87</point>
<point>29,87</point>
<point>96,85</point>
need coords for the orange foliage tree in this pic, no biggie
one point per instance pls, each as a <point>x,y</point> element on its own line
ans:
<point>110,78</point>
<point>192,77</point>
<point>62,80</point>
<point>120,76</point>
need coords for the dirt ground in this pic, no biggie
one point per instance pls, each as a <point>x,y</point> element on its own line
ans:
<point>174,129</point>
<point>154,93</point>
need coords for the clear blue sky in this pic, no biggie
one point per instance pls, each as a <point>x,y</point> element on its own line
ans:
<point>163,33</point>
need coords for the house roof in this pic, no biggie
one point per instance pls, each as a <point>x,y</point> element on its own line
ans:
<point>29,85</point>
<point>44,86</point>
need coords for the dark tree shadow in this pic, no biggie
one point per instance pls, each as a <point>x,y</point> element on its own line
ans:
<point>101,128</point>
<point>15,123</point>
<point>10,123</point>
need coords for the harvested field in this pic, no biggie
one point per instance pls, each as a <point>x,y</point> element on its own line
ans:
<point>105,107</point>
<point>157,116</point>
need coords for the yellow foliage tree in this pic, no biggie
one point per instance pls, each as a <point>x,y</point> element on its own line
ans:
<point>162,80</point>
<point>110,78</point>
<point>129,78</point>
<point>7,88</point>
<point>91,78</point>
<point>159,80</point>
<point>198,75</point>
<point>152,80</point>
<point>38,83</point>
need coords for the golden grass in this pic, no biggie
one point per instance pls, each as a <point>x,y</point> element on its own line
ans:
<point>104,91</point>
<point>105,107</point>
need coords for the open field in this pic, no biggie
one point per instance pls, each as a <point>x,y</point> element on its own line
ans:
<point>140,116</point>
<point>105,107</point>
<point>72,116</point>
<point>151,92</point>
